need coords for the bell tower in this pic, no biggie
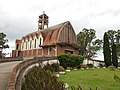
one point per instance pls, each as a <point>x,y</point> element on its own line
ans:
<point>43,21</point>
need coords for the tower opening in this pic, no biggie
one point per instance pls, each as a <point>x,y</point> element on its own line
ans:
<point>43,21</point>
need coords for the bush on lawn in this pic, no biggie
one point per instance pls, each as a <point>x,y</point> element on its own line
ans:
<point>90,65</point>
<point>40,79</point>
<point>69,68</point>
<point>83,66</point>
<point>70,60</point>
<point>61,69</point>
<point>53,67</point>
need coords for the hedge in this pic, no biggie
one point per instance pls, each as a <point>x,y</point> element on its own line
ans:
<point>70,60</point>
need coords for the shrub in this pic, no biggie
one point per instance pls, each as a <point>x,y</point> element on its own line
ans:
<point>70,60</point>
<point>39,79</point>
<point>83,66</point>
<point>64,60</point>
<point>100,65</point>
<point>76,60</point>
<point>48,67</point>
<point>90,65</point>
<point>53,67</point>
<point>61,68</point>
<point>69,68</point>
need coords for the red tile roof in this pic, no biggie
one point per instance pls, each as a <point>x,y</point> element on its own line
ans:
<point>50,34</point>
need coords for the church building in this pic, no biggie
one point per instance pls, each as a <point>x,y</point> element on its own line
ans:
<point>47,41</point>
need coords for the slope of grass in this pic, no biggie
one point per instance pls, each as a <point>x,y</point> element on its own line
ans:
<point>101,78</point>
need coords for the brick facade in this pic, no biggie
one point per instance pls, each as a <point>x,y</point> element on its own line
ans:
<point>61,49</point>
<point>52,41</point>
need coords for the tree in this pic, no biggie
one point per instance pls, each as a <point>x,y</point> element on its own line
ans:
<point>111,36</point>
<point>118,43</point>
<point>114,55</point>
<point>3,44</point>
<point>118,50</point>
<point>114,38</point>
<point>88,46</point>
<point>106,50</point>
<point>118,37</point>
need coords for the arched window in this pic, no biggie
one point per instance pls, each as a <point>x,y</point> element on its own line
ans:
<point>30,44</point>
<point>35,44</point>
<point>26,45</point>
<point>40,42</point>
<point>22,45</point>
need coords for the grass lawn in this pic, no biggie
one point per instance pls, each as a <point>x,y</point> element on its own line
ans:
<point>102,78</point>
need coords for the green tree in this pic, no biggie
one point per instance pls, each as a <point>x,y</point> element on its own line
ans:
<point>118,37</point>
<point>111,36</point>
<point>3,44</point>
<point>88,46</point>
<point>106,50</point>
<point>114,55</point>
<point>114,38</point>
<point>118,43</point>
<point>118,50</point>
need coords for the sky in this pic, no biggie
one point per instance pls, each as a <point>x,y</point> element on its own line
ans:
<point>20,17</point>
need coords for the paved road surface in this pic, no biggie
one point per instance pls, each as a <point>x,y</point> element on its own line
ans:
<point>5,73</point>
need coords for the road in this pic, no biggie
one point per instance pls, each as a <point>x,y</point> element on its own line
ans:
<point>5,73</point>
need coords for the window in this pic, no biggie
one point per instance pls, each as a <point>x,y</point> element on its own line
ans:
<point>50,49</point>
<point>68,52</point>
<point>30,44</point>
<point>40,41</point>
<point>35,44</point>
<point>17,46</point>
<point>26,45</point>
<point>19,53</point>
<point>23,46</point>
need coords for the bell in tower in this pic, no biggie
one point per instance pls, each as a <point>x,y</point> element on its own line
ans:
<point>43,21</point>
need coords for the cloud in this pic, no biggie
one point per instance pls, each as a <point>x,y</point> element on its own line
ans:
<point>19,17</point>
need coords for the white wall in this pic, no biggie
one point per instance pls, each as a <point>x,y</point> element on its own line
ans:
<point>23,45</point>
<point>96,64</point>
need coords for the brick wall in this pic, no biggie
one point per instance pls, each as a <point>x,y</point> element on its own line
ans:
<point>61,49</point>
<point>46,51</point>
<point>39,51</point>
<point>10,59</point>
<point>52,51</point>
<point>13,53</point>
<point>18,68</point>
